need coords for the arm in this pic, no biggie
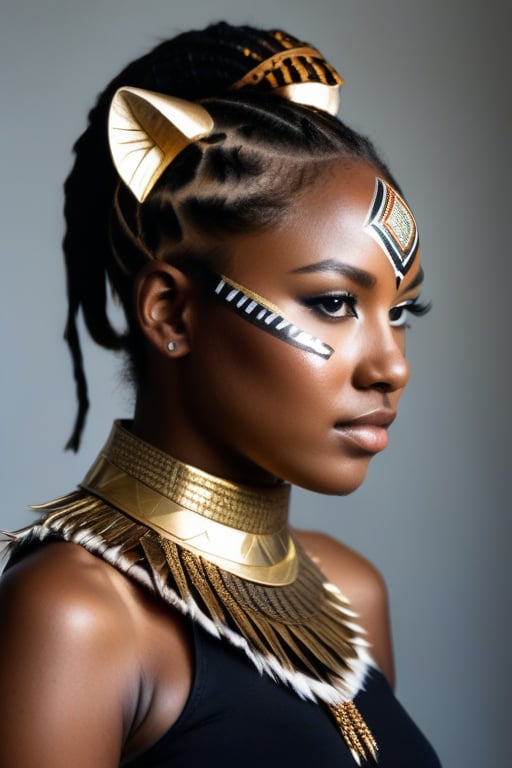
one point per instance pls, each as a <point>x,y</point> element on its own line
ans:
<point>363,585</point>
<point>65,666</point>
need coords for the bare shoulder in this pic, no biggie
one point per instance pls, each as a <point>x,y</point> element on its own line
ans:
<point>356,576</point>
<point>65,658</point>
<point>62,587</point>
<point>362,583</point>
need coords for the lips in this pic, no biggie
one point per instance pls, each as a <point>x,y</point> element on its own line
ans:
<point>367,432</point>
<point>380,417</point>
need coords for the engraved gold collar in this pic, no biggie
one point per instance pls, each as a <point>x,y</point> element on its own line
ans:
<point>241,529</point>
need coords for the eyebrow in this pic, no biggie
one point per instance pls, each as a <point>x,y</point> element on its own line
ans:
<point>359,276</point>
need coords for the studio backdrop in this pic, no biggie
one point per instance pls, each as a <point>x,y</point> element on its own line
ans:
<point>428,82</point>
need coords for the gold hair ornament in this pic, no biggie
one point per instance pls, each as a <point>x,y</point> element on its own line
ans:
<point>147,131</point>
<point>299,74</point>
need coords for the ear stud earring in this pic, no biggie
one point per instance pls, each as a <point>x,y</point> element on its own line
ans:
<point>171,346</point>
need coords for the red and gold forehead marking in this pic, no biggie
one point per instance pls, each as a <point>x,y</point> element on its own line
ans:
<point>391,224</point>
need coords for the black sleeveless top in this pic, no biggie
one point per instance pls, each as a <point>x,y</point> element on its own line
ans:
<point>237,718</point>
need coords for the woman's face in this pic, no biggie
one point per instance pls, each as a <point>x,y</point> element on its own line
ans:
<point>261,407</point>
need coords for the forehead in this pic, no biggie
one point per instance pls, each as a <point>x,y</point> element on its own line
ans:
<point>349,214</point>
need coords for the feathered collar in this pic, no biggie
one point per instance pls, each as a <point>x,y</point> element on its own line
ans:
<point>224,555</point>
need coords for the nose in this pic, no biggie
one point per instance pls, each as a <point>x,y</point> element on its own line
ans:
<point>382,364</point>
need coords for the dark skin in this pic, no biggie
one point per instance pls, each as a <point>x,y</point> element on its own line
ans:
<point>88,660</point>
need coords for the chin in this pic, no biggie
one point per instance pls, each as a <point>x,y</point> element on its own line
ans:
<point>332,481</point>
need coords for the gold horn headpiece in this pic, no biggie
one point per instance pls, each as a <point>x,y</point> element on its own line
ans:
<point>147,131</point>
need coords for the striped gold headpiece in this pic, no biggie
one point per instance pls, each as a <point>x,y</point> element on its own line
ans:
<point>148,130</point>
<point>297,73</point>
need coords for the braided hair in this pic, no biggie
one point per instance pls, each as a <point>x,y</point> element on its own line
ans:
<point>244,177</point>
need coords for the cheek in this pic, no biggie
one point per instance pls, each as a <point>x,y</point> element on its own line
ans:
<point>247,369</point>
<point>263,365</point>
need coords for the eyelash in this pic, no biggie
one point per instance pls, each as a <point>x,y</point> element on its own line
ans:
<point>413,306</point>
<point>347,302</point>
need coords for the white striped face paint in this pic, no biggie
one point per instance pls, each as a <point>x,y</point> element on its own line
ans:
<point>265,315</point>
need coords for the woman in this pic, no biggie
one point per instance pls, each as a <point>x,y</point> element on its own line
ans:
<point>266,263</point>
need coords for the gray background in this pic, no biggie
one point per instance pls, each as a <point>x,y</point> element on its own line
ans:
<point>428,83</point>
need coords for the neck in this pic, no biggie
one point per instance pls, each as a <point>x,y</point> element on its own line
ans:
<point>172,431</point>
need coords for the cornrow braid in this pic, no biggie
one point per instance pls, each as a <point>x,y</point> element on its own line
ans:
<point>244,177</point>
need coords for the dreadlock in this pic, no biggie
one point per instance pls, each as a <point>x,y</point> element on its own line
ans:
<point>244,177</point>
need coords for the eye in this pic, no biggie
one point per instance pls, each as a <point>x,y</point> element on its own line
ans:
<point>333,305</point>
<point>398,314</point>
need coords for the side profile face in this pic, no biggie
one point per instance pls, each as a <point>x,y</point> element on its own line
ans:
<point>259,407</point>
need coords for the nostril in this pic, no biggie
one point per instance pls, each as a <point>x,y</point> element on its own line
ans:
<point>382,386</point>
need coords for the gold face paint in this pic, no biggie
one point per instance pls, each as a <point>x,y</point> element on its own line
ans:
<point>264,315</point>
<point>391,224</point>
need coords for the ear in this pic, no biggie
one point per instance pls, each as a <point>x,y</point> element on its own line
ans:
<point>162,303</point>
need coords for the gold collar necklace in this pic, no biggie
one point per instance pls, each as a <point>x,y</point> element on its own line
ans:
<point>241,529</point>
<point>223,555</point>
